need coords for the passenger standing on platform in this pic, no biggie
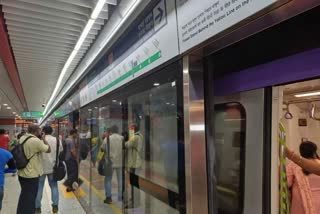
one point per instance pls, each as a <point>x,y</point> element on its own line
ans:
<point>72,158</point>
<point>115,141</point>
<point>29,176</point>
<point>134,157</point>
<point>95,146</point>
<point>48,162</point>
<point>6,158</point>
<point>4,139</point>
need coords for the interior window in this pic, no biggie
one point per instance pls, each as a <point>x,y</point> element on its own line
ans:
<point>230,131</point>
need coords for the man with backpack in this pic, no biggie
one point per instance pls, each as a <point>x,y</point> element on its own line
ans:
<point>48,162</point>
<point>32,169</point>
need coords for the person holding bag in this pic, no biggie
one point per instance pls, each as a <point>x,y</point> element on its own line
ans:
<point>49,161</point>
<point>112,147</point>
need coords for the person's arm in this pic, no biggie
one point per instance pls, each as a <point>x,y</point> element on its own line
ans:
<point>290,175</point>
<point>11,166</point>
<point>103,146</point>
<point>73,150</point>
<point>132,142</point>
<point>46,150</point>
<point>311,165</point>
<point>42,145</point>
<point>60,146</point>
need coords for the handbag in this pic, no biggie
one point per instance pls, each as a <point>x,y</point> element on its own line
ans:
<point>105,166</point>
<point>59,169</point>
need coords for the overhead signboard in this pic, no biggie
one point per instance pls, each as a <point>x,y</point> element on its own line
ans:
<point>152,46</point>
<point>25,121</point>
<point>32,114</point>
<point>200,20</point>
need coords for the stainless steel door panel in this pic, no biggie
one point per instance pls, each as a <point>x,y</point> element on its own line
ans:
<point>253,103</point>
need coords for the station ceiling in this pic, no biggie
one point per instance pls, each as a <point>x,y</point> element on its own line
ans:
<point>42,34</point>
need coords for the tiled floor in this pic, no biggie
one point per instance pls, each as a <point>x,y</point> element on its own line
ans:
<point>67,203</point>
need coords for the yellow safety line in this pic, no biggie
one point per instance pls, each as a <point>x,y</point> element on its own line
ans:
<point>79,193</point>
<point>115,209</point>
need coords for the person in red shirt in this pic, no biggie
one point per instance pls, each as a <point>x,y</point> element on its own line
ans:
<point>4,139</point>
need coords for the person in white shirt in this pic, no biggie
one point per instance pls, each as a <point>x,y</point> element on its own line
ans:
<point>48,161</point>
<point>116,141</point>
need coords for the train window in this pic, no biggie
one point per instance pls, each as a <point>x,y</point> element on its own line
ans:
<point>230,134</point>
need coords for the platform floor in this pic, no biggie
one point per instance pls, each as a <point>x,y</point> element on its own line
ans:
<point>91,194</point>
<point>67,203</point>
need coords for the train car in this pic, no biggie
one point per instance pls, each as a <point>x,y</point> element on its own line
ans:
<point>206,91</point>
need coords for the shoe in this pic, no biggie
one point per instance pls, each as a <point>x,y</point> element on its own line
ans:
<point>108,200</point>
<point>80,182</point>
<point>55,209</point>
<point>75,185</point>
<point>38,210</point>
<point>69,189</point>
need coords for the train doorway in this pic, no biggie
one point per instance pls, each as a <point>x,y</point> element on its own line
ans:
<point>239,131</point>
<point>296,109</point>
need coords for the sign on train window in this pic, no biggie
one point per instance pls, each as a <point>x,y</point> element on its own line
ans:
<point>230,134</point>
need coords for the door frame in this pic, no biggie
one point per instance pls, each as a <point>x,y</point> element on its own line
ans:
<point>210,88</point>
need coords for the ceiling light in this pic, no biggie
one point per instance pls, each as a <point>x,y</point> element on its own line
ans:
<point>13,112</point>
<point>114,101</point>
<point>5,104</point>
<point>88,62</point>
<point>315,93</point>
<point>156,84</point>
<point>8,107</point>
<point>84,34</point>
<point>95,13</point>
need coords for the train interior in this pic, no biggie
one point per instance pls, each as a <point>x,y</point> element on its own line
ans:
<point>300,114</point>
<point>242,112</point>
<point>295,107</point>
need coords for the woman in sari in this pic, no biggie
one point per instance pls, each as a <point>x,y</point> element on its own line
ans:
<point>305,187</point>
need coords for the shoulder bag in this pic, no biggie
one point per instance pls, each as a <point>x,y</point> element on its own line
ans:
<point>105,166</point>
<point>59,169</point>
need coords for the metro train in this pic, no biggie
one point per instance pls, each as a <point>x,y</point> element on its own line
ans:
<point>209,115</point>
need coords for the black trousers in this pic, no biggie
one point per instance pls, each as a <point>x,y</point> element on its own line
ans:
<point>135,188</point>
<point>72,172</point>
<point>27,199</point>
